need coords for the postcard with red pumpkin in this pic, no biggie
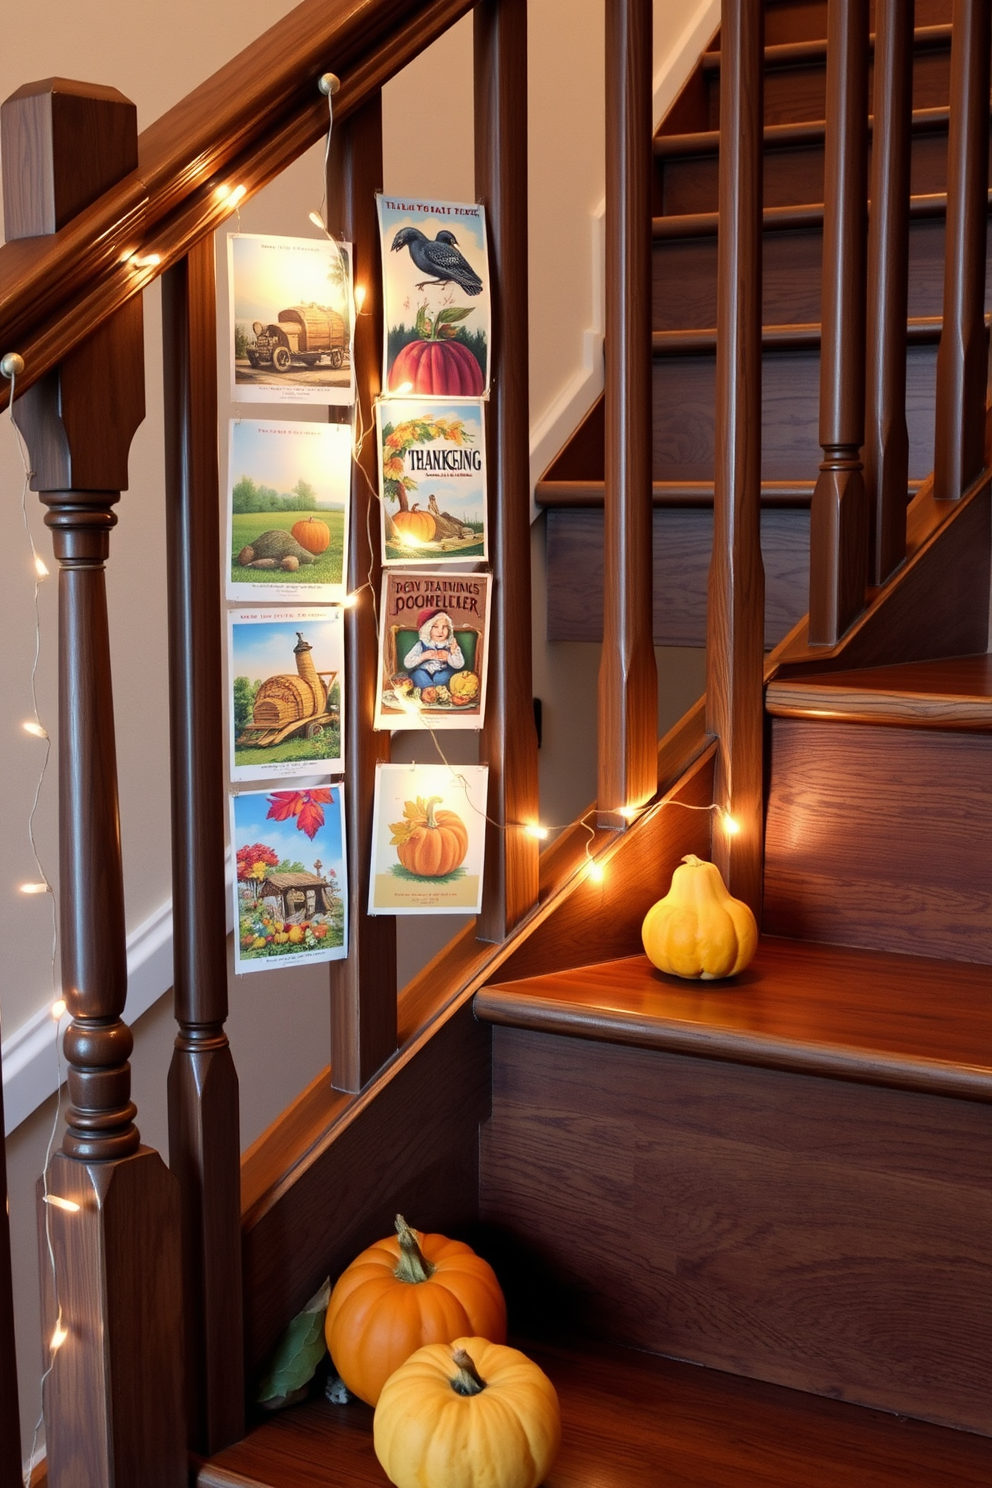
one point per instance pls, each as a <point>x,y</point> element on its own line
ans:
<point>292,319</point>
<point>436,304</point>
<point>291,881</point>
<point>428,839</point>
<point>288,493</point>
<point>432,480</point>
<point>433,642</point>
<point>286,692</point>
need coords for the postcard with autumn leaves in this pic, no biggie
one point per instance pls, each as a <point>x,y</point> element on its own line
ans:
<point>433,642</point>
<point>428,839</point>
<point>436,306</point>
<point>432,480</point>
<point>290,890</point>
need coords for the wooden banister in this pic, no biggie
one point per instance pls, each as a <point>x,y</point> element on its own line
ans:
<point>886,447</point>
<point>839,518</point>
<point>628,675</point>
<point>735,615</point>
<point>204,1135</point>
<point>962,357</point>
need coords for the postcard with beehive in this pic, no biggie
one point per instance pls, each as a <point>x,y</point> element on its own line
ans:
<point>432,480</point>
<point>433,641</point>
<point>428,839</point>
<point>288,493</point>
<point>290,888</point>
<point>291,320</point>
<point>436,309</point>
<point>286,692</point>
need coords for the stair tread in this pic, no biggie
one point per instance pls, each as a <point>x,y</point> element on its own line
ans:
<point>782,136</point>
<point>950,693</point>
<point>806,53</point>
<point>823,1009</point>
<point>924,204</point>
<point>629,1419</point>
<point>794,336</point>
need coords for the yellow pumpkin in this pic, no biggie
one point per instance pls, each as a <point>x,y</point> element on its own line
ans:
<point>472,1414</point>
<point>419,525</point>
<point>699,929</point>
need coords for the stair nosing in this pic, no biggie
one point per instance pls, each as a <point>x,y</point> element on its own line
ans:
<point>692,495</point>
<point>925,205</point>
<point>803,53</point>
<point>921,330</point>
<point>782,136</point>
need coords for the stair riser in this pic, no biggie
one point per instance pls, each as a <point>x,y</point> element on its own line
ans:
<point>822,1235</point>
<point>879,837</point>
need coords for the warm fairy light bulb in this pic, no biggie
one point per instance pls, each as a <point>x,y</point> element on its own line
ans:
<point>30,726</point>
<point>144,260</point>
<point>409,541</point>
<point>359,297</point>
<point>534,829</point>
<point>317,220</point>
<point>238,194</point>
<point>730,824</point>
<point>404,387</point>
<point>59,1336</point>
<point>68,1205</point>
<point>58,1010</point>
<point>33,888</point>
<point>596,872</point>
<point>39,567</point>
<point>349,601</point>
<point>629,812</point>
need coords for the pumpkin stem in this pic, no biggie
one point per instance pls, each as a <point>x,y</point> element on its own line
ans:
<point>468,1380</point>
<point>434,801</point>
<point>692,860</point>
<point>412,1266</point>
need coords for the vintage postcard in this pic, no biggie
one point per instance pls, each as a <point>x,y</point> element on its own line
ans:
<point>291,320</point>
<point>436,306</point>
<point>432,480</point>
<point>428,839</point>
<point>286,670</point>
<point>433,639</point>
<point>290,889</point>
<point>288,494</point>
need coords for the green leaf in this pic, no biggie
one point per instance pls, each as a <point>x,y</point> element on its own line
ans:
<point>451,315</point>
<point>294,1359</point>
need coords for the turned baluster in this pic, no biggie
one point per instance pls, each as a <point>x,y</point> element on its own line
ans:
<point>735,617</point>
<point>109,1418</point>
<point>839,517</point>
<point>628,674</point>
<point>508,742</point>
<point>886,447</point>
<point>204,1136</point>
<point>962,357</point>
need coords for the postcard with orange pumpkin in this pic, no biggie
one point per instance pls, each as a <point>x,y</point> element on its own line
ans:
<point>286,694</point>
<point>428,839</point>
<point>290,885</point>
<point>432,480</point>
<point>436,304</point>
<point>288,493</point>
<point>433,644</point>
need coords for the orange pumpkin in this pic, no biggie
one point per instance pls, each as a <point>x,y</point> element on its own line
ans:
<point>437,369</point>
<point>436,844</point>
<point>415,523</point>
<point>312,534</point>
<point>406,1291</point>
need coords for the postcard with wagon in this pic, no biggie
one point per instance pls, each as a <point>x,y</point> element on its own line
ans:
<point>432,480</point>
<point>286,693</point>
<point>291,885</point>
<point>291,322</point>
<point>288,494</point>
<point>433,644</point>
<point>436,303</point>
<point>428,839</point>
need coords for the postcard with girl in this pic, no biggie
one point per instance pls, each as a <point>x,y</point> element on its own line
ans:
<point>433,639</point>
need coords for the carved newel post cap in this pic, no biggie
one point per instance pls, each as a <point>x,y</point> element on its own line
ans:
<point>329,83</point>
<point>11,365</point>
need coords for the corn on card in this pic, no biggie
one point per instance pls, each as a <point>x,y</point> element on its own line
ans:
<point>286,694</point>
<point>428,839</point>
<point>288,494</point>
<point>291,321</point>
<point>432,480</point>
<point>290,887</point>
<point>436,306</point>
<point>433,645</point>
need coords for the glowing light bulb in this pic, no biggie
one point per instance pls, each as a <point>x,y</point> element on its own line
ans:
<point>39,567</point>
<point>56,1202</point>
<point>317,220</point>
<point>144,260</point>
<point>404,388</point>
<point>629,812</point>
<point>33,888</point>
<point>595,872</point>
<point>58,1010</point>
<point>37,729</point>
<point>534,829</point>
<point>58,1337</point>
<point>350,600</point>
<point>238,194</point>
<point>730,824</point>
<point>359,297</point>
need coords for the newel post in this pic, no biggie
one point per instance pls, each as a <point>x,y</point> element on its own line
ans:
<point>114,1409</point>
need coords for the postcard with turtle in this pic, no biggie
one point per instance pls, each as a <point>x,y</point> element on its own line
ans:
<point>291,320</point>
<point>288,492</point>
<point>291,886</point>
<point>433,640</point>
<point>286,692</point>
<point>428,839</point>
<point>436,310</point>
<point>432,480</point>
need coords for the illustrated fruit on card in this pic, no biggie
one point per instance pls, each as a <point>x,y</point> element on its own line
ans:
<point>429,842</point>
<point>313,534</point>
<point>415,523</point>
<point>464,687</point>
<point>436,365</point>
<point>699,929</point>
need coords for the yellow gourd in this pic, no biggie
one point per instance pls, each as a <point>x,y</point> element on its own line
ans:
<point>699,929</point>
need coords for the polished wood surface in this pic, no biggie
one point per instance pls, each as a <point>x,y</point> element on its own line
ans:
<point>736,589</point>
<point>10,1425</point>
<point>204,1129</point>
<point>628,675</point>
<point>962,363</point>
<point>362,987</point>
<point>956,693</point>
<point>886,445</point>
<point>775,495</point>
<point>632,1420</point>
<point>820,1009</point>
<point>508,741</point>
<point>879,837</point>
<point>811,1232</point>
